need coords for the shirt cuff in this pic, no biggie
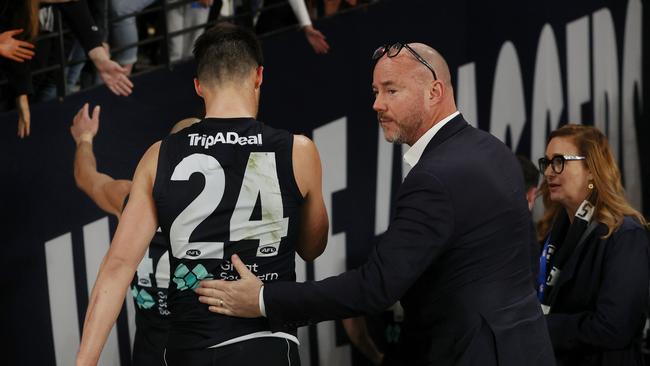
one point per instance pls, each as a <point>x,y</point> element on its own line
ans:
<point>300,11</point>
<point>261,302</point>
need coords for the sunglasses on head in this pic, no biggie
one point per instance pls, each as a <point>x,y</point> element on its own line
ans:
<point>393,49</point>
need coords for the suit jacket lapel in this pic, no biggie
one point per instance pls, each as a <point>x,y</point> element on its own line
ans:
<point>452,127</point>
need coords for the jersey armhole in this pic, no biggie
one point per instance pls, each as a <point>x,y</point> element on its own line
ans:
<point>293,183</point>
<point>158,184</point>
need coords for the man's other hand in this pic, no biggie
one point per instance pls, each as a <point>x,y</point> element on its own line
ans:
<point>234,298</point>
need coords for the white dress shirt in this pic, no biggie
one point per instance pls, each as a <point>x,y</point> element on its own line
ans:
<point>412,156</point>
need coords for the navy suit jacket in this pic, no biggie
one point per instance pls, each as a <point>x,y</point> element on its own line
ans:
<point>456,253</point>
<point>599,311</point>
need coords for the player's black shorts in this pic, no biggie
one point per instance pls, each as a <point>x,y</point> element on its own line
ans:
<point>267,351</point>
<point>149,348</point>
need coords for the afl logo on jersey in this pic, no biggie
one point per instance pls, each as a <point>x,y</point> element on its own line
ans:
<point>144,282</point>
<point>268,250</point>
<point>193,252</point>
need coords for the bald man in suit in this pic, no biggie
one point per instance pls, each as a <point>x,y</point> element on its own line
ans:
<point>456,253</point>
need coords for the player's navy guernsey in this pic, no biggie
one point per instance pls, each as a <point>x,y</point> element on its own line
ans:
<point>149,290</point>
<point>225,186</point>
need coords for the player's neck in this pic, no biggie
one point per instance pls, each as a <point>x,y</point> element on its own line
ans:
<point>230,103</point>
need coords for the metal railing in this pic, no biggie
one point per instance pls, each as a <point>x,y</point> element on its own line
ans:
<point>161,7</point>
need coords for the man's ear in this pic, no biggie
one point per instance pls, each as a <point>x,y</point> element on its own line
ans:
<point>437,90</point>
<point>197,87</point>
<point>259,76</point>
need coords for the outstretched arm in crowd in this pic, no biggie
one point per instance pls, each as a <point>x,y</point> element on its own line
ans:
<point>114,75</point>
<point>24,116</point>
<point>108,193</point>
<point>315,38</point>
<point>15,49</point>
<point>14,53</point>
<point>78,16</point>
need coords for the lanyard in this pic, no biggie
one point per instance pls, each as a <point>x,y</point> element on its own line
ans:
<point>541,276</point>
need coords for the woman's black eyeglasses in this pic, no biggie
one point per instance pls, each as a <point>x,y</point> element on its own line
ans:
<point>392,50</point>
<point>557,162</point>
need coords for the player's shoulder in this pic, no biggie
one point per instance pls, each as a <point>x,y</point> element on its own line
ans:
<point>305,154</point>
<point>303,143</point>
<point>149,160</point>
<point>153,151</point>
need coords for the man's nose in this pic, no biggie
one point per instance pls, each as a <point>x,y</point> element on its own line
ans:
<point>378,105</point>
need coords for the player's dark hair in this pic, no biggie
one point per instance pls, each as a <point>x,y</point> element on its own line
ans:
<point>226,52</point>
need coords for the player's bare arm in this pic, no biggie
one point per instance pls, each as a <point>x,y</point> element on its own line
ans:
<point>107,192</point>
<point>314,225</point>
<point>132,237</point>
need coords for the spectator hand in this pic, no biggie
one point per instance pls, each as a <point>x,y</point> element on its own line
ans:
<point>114,75</point>
<point>84,127</point>
<point>24,117</point>
<point>15,49</point>
<point>316,39</point>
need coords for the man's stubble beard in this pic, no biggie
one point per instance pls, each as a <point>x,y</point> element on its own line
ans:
<point>405,132</point>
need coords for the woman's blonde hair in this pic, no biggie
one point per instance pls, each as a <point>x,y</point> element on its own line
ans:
<point>608,194</point>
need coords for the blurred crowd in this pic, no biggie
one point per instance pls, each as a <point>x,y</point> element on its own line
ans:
<point>51,48</point>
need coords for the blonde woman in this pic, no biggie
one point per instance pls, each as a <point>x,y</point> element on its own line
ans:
<point>594,269</point>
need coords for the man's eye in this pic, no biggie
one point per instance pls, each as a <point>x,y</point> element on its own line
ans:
<point>391,91</point>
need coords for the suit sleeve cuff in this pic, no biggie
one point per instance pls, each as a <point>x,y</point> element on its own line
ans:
<point>261,302</point>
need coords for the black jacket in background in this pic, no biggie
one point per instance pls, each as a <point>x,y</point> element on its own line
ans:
<point>598,315</point>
